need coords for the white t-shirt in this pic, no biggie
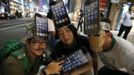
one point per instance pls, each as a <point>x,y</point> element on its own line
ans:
<point>51,25</point>
<point>120,56</point>
<point>127,21</point>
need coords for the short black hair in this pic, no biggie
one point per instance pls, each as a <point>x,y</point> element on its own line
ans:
<point>107,20</point>
<point>71,27</point>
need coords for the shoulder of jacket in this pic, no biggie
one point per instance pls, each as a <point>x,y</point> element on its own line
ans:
<point>19,54</point>
<point>82,38</point>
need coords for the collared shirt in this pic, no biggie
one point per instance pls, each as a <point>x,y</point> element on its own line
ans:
<point>127,21</point>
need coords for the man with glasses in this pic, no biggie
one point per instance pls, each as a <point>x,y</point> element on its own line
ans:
<point>26,61</point>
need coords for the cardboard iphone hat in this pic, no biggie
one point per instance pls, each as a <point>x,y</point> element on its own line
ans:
<point>40,26</point>
<point>60,15</point>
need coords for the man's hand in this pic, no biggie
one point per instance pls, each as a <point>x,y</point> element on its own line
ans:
<point>53,67</point>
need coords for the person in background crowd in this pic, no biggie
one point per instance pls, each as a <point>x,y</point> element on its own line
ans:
<point>17,14</point>
<point>115,52</point>
<point>80,20</point>
<point>50,14</point>
<point>126,25</point>
<point>27,61</point>
<point>69,42</point>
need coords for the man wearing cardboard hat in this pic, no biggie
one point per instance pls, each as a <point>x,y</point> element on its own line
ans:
<point>114,52</point>
<point>27,60</point>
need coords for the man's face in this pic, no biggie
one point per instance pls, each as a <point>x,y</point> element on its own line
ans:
<point>66,35</point>
<point>97,42</point>
<point>133,10</point>
<point>36,48</point>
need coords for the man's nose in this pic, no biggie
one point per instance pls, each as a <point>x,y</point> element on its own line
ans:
<point>65,35</point>
<point>42,46</point>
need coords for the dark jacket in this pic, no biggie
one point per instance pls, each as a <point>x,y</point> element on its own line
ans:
<point>61,49</point>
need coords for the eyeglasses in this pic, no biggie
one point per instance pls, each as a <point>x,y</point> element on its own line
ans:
<point>36,42</point>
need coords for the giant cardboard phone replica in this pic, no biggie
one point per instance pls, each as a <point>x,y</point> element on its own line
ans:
<point>91,17</point>
<point>41,26</point>
<point>60,14</point>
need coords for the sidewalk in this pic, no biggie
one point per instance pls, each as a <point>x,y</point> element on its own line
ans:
<point>14,20</point>
<point>129,38</point>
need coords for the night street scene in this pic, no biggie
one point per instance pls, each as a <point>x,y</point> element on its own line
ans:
<point>66,37</point>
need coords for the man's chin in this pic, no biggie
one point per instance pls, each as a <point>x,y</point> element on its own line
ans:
<point>39,53</point>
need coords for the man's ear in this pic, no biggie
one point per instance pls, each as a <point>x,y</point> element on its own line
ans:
<point>109,34</point>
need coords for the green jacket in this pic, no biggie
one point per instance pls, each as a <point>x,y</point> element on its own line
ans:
<point>19,63</point>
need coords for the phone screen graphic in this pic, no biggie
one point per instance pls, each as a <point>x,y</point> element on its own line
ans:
<point>60,14</point>
<point>91,18</point>
<point>41,25</point>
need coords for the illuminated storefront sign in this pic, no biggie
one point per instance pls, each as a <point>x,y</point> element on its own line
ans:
<point>41,3</point>
<point>103,4</point>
